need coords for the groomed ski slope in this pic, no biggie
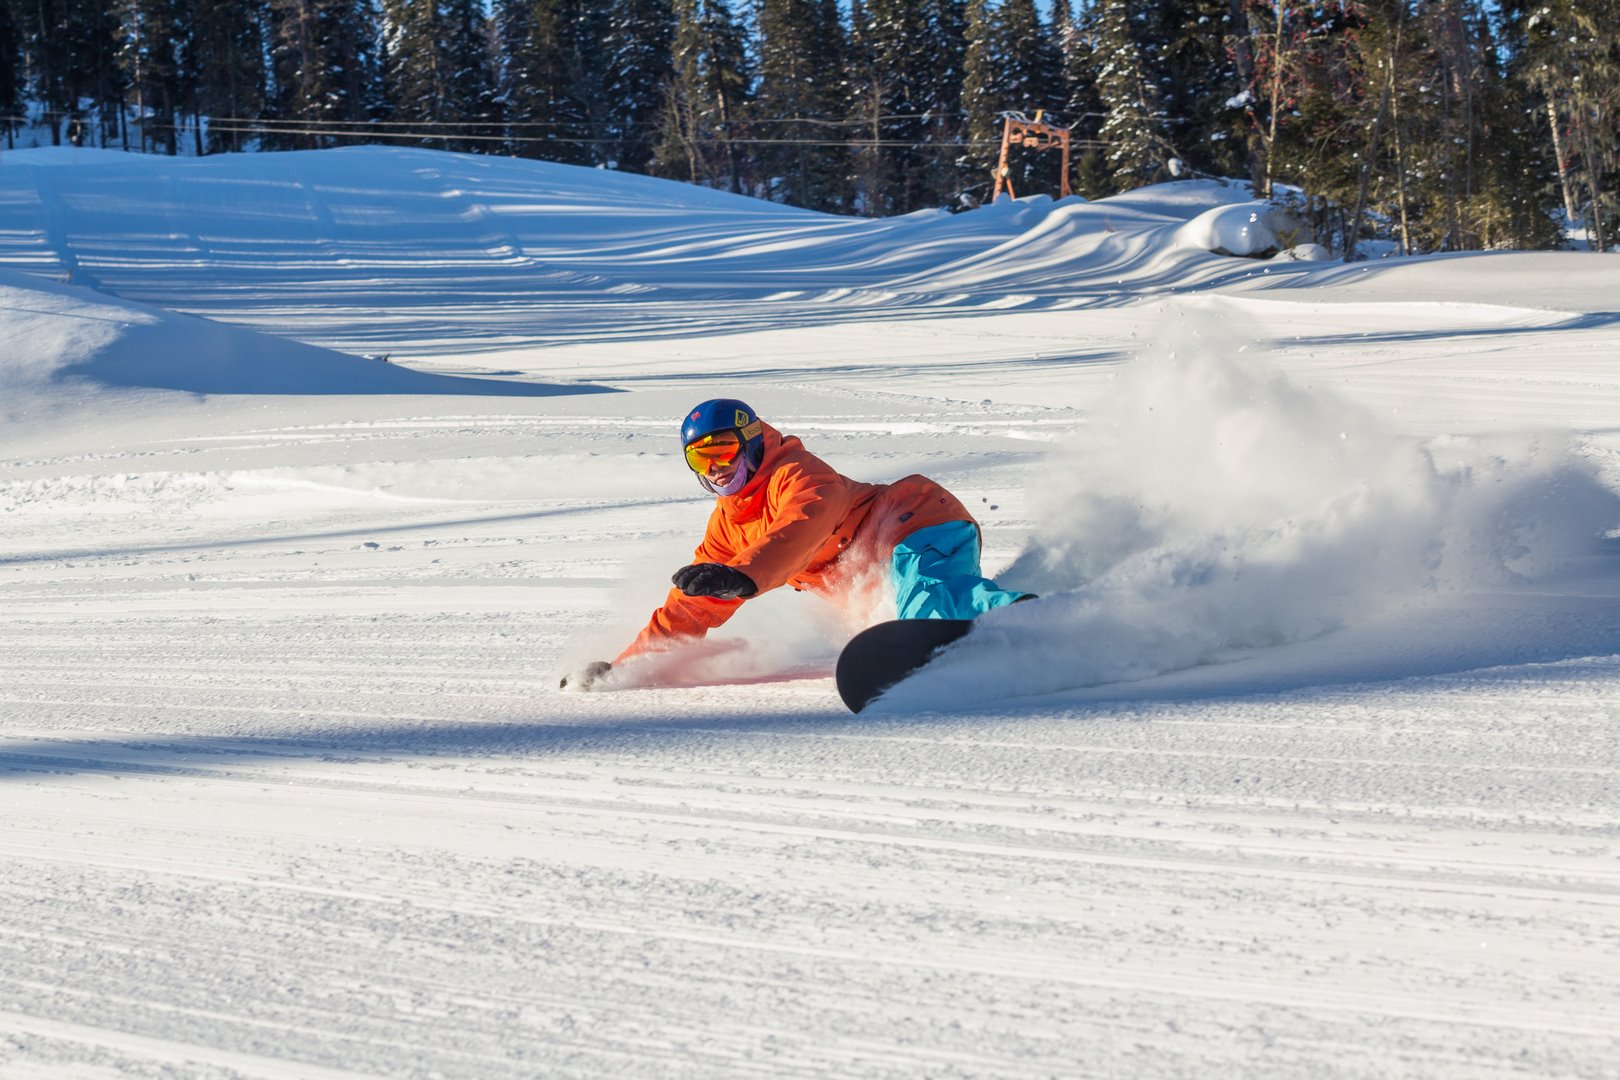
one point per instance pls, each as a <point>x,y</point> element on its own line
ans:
<point>1304,766</point>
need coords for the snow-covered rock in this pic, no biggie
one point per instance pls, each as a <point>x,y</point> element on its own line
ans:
<point>1247,229</point>
<point>1305,253</point>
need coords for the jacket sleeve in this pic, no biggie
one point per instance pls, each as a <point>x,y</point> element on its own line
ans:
<point>683,616</point>
<point>805,507</point>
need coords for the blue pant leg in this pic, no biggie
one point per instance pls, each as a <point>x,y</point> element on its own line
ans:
<point>936,575</point>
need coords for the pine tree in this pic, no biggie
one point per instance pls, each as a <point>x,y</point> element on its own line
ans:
<point>706,97</point>
<point>1030,83</point>
<point>542,86</point>
<point>1289,44</point>
<point>801,101</point>
<point>1472,178</point>
<point>1011,65</point>
<point>890,84</point>
<point>1068,46</point>
<point>1319,114</point>
<point>729,74</point>
<point>148,55</point>
<point>1571,59</point>
<point>439,72</point>
<point>640,37</point>
<point>324,56</point>
<point>1082,108</point>
<point>867,153</point>
<point>1376,60</point>
<point>11,73</point>
<point>71,49</point>
<point>1030,79</point>
<point>589,63</point>
<point>1514,203</point>
<point>981,98</point>
<point>1241,30</point>
<point>1137,145</point>
<point>228,44</point>
<point>470,58</point>
<point>944,49</point>
<point>1195,69</point>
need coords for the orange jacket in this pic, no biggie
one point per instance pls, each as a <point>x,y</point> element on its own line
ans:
<point>798,523</point>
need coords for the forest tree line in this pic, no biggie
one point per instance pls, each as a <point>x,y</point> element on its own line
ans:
<point>1438,124</point>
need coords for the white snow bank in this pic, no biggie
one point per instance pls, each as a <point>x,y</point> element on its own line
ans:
<point>1217,507</point>
<point>1305,253</point>
<point>1247,228</point>
<point>1180,200</point>
<point>454,237</point>
<point>75,155</point>
<point>67,346</point>
<point>1556,280</point>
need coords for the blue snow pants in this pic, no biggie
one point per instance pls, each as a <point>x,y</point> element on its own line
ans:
<point>936,575</point>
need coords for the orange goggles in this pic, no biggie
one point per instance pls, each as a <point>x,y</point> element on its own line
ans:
<point>718,450</point>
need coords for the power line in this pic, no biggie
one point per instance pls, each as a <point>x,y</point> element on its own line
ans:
<point>706,140</point>
<point>441,136</point>
<point>476,131</point>
<point>492,122</point>
<point>307,122</point>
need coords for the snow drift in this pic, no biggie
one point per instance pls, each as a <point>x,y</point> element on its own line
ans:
<point>1215,507</point>
<point>67,346</point>
<point>1247,229</point>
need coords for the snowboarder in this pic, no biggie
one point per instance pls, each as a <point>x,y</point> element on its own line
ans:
<point>783,516</point>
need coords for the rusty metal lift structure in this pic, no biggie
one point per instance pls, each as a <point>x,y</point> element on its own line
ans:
<point>1019,130</point>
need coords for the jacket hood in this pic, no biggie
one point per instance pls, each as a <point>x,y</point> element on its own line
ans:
<point>746,503</point>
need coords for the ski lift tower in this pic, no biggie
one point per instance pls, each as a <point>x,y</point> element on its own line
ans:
<point>1019,130</point>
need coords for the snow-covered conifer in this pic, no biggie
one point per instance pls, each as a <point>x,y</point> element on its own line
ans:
<point>639,38</point>
<point>324,68</point>
<point>706,97</point>
<point>801,102</point>
<point>1136,142</point>
<point>151,37</point>
<point>543,88</point>
<point>228,50</point>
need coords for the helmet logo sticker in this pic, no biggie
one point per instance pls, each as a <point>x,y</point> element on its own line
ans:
<point>742,418</point>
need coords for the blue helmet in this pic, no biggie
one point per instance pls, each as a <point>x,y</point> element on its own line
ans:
<point>726,414</point>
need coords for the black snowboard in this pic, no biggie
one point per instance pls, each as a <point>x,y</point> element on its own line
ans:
<point>880,656</point>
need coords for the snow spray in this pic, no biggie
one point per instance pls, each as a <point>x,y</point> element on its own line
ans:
<point>779,634</point>
<point>1213,506</point>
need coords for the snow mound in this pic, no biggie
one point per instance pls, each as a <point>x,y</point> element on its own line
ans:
<point>1180,200</point>
<point>230,235</point>
<point>74,156</point>
<point>1217,508</point>
<point>460,249</point>
<point>1305,253</point>
<point>66,345</point>
<point>1246,229</point>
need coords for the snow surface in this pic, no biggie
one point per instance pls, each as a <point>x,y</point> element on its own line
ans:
<point>1304,766</point>
<point>1243,229</point>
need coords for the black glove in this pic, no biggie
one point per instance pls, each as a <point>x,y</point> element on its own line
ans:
<point>586,677</point>
<point>714,579</point>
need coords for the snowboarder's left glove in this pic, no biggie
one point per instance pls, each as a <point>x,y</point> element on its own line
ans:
<point>586,677</point>
<point>714,579</point>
